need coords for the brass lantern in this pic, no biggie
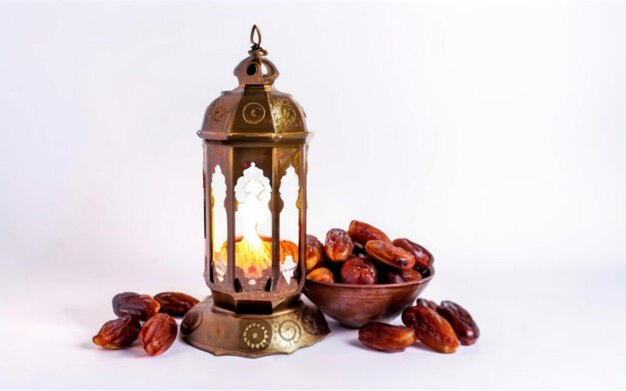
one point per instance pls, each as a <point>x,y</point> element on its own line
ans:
<point>255,165</point>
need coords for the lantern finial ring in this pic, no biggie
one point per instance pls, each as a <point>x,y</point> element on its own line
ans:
<point>255,40</point>
<point>257,32</point>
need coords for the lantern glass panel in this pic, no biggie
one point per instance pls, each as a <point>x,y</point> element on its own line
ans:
<point>218,224</point>
<point>289,224</point>
<point>253,229</point>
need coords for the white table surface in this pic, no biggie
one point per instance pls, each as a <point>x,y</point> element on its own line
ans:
<point>540,328</point>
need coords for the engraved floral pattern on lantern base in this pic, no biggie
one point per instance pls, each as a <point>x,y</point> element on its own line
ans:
<point>257,335</point>
<point>225,332</point>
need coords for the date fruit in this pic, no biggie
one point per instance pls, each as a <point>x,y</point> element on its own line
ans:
<point>288,248</point>
<point>118,333</point>
<point>423,258</point>
<point>381,336</point>
<point>411,275</point>
<point>338,245</point>
<point>409,314</point>
<point>158,334</point>
<point>393,278</point>
<point>358,271</point>
<point>461,321</point>
<point>431,328</point>
<point>175,303</point>
<point>362,233</point>
<point>389,254</point>
<point>140,306</point>
<point>427,303</point>
<point>321,274</point>
<point>397,277</point>
<point>314,253</point>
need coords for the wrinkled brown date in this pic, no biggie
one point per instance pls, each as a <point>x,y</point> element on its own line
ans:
<point>140,306</point>
<point>314,253</point>
<point>338,245</point>
<point>461,321</point>
<point>427,303</point>
<point>423,259</point>
<point>411,275</point>
<point>358,271</point>
<point>389,254</point>
<point>431,328</point>
<point>118,333</point>
<point>321,274</point>
<point>175,303</point>
<point>395,277</point>
<point>381,336</point>
<point>158,334</point>
<point>362,232</point>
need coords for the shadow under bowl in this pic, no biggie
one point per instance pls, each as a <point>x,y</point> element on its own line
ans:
<point>354,305</point>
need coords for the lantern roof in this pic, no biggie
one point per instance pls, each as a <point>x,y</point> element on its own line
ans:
<point>255,110</point>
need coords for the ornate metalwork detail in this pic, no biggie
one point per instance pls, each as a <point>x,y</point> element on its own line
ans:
<point>289,331</point>
<point>257,335</point>
<point>218,113</point>
<point>284,114</point>
<point>253,113</point>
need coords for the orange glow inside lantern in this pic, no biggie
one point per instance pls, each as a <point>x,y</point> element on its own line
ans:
<point>253,240</point>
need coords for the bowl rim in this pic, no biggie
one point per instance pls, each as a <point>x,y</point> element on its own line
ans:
<point>431,268</point>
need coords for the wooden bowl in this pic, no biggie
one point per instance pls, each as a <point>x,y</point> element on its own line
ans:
<point>354,305</point>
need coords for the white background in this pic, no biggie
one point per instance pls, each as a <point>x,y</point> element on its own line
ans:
<point>494,133</point>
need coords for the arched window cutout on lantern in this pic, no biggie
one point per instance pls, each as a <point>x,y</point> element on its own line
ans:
<point>253,250</point>
<point>289,223</point>
<point>218,214</point>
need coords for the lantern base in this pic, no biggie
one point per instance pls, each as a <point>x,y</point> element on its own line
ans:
<point>224,332</point>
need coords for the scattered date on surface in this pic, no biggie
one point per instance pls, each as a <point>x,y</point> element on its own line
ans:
<point>158,334</point>
<point>431,328</point>
<point>389,254</point>
<point>118,333</point>
<point>461,321</point>
<point>361,232</point>
<point>381,336</point>
<point>175,303</point>
<point>338,245</point>
<point>140,306</point>
<point>427,303</point>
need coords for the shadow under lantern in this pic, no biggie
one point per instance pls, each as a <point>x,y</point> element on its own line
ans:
<point>255,165</point>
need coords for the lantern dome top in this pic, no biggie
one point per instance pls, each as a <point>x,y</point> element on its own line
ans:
<point>254,110</point>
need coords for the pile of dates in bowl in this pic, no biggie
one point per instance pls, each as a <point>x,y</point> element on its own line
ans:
<point>361,278</point>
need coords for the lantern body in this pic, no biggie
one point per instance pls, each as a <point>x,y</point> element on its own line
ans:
<point>254,177</point>
<point>255,147</point>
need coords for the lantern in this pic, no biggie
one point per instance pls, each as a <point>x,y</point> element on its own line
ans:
<point>255,165</point>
